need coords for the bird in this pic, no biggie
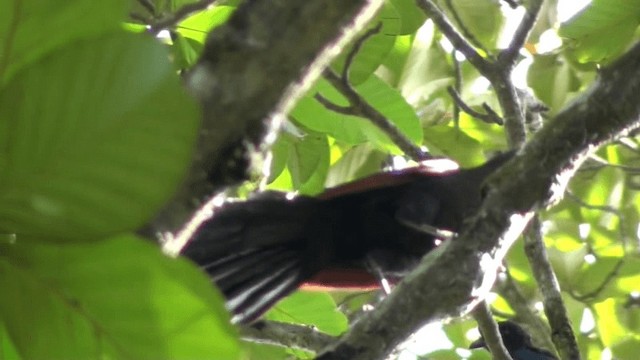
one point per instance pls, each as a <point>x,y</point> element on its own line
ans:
<point>351,236</point>
<point>517,342</point>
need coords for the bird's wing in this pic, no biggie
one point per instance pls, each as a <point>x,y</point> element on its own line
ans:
<point>418,210</point>
<point>527,353</point>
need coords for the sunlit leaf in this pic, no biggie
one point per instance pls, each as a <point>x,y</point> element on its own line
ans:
<point>602,30</point>
<point>23,28</point>
<point>311,308</point>
<point>119,298</point>
<point>80,163</point>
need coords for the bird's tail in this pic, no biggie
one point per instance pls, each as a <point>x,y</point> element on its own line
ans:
<point>257,251</point>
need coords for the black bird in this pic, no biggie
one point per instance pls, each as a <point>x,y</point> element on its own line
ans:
<point>259,250</point>
<point>518,343</point>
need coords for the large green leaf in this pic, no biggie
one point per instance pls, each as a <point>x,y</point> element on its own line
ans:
<point>199,24</point>
<point>602,30</point>
<point>411,17</point>
<point>93,139</point>
<point>552,80</point>
<point>30,29</point>
<point>119,298</point>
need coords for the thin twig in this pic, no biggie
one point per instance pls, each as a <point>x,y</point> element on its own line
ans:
<point>512,3</point>
<point>463,28</point>
<point>344,110</point>
<point>623,236</point>
<point>554,307</point>
<point>490,117</point>
<point>510,290</point>
<point>286,335</point>
<point>456,39</point>
<point>355,49</point>
<point>509,55</point>
<point>612,275</point>
<point>490,333</point>
<point>360,107</point>
<point>457,86</point>
<point>179,15</point>
<point>149,6</point>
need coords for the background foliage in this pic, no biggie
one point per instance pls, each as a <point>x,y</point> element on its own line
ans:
<point>96,132</point>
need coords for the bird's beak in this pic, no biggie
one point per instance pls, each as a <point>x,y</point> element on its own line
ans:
<point>478,344</point>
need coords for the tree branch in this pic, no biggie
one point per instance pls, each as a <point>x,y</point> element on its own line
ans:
<point>498,72</point>
<point>286,335</point>
<point>509,55</point>
<point>490,332</point>
<point>535,178</point>
<point>360,107</point>
<point>490,117</point>
<point>539,330</point>
<point>242,64</point>
<point>173,19</point>
<point>561,331</point>
<point>457,40</point>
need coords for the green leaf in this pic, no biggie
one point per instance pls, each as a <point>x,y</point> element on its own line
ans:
<point>357,162</point>
<point>552,80</point>
<point>627,349</point>
<point>7,348</point>
<point>93,139</point>
<point>308,162</point>
<point>482,18</point>
<point>256,351</point>
<point>609,327</point>
<point>353,130</point>
<point>593,275</point>
<point>186,51</point>
<point>390,103</point>
<point>602,30</point>
<point>29,29</point>
<point>449,141</point>
<point>411,17</point>
<point>198,25</point>
<point>310,308</point>
<point>426,71</point>
<point>567,264</point>
<point>117,298</point>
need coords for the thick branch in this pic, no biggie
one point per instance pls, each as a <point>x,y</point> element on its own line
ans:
<point>499,71</point>
<point>250,60</point>
<point>287,335</point>
<point>535,178</point>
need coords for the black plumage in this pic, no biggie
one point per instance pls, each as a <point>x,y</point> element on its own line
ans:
<point>259,250</point>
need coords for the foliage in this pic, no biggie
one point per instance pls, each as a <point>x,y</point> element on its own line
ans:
<point>96,133</point>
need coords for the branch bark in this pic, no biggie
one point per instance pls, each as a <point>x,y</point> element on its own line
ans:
<point>289,335</point>
<point>453,279</point>
<point>242,64</point>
